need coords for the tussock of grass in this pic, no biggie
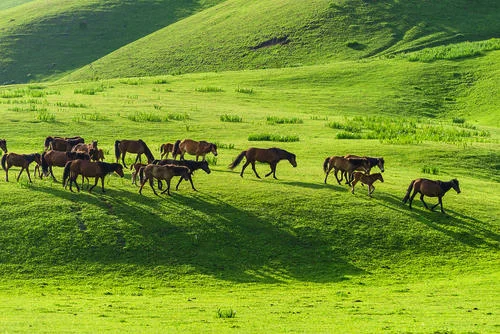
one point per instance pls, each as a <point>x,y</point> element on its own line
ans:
<point>209,89</point>
<point>269,137</point>
<point>283,120</point>
<point>231,118</point>
<point>146,117</point>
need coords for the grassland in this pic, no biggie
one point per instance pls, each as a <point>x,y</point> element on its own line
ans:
<point>251,255</point>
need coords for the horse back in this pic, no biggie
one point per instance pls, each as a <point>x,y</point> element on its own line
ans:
<point>427,187</point>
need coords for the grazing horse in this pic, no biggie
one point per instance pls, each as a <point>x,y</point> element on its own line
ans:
<point>368,179</point>
<point>432,189</point>
<point>197,148</point>
<point>19,160</point>
<point>133,146</point>
<point>270,155</point>
<point>87,168</point>
<point>59,159</point>
<point>165,149</point>
<point>166,172</point>
<point>3,145</point>
<point>348,165</point>
<point>192,165</point>
<point>62,143</point>
<point>91,149</point>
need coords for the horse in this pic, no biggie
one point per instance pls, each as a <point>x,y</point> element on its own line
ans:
<point>348,165</point>
<point>59,159</point>
<point>432,189</point>
<point>166,172</point>
<point>197,148</point>
<point>192,165</point>
<point>270,155</point>
<point>379,162</point>
<point>62,143</point>
<point>165,149</point>
<point>91,149</point>
<point>3,145</point>
<point>133,146</point>
<point>368,179</point>
<point>19,160</point>
<point>86,168</point>
<point>100,155</point>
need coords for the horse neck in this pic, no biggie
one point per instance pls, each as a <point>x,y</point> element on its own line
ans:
<point>445,186</point>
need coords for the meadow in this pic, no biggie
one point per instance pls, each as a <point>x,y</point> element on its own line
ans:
<point>250,255</point>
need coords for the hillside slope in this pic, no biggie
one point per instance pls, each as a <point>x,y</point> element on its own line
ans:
<point>240,34</point>
<point>40,38</point>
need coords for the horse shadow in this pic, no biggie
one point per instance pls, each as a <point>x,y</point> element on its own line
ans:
<point>462,228</point>
<point>199,231</point>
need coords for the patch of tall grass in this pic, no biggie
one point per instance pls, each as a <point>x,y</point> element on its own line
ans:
<point>283,120</point>
<point>270,137</point>
<point>244,90</point>
<point>209,89</point>
<point>231,118</point>
<point>178,116</point>
<point>146,117</point>
<point>45,116</point>
<point>90,90</point>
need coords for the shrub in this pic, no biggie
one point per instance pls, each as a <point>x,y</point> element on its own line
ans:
<point>226,313</point>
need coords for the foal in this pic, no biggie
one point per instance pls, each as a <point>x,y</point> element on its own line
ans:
<point>19,160</point>
<point>368,179</point>
<point>158,172</point>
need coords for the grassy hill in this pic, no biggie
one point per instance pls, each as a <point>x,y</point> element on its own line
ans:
<point>41,39</point>
<point>240,34</point>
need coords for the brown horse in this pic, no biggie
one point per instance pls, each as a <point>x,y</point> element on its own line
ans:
<point>62,143</point>
<point>347,165</point>
<point>192,165</point>
<point>166,149</point>
<point>379,162</point>
<point>90,149</point>
<point>3,145</point>
<point>197,148</point>
<point>432,189</point>
<point>368,179</point>
<point>166,172</point>
<point>135,170</point>
<point>59,159</point>
<point>133,146</point>
<point>19,160</point>
<point>270,155</point>
<point>87,168</point>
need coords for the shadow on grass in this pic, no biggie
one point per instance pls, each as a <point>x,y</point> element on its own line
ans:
<point>193,230</point>
<point>460,227</point>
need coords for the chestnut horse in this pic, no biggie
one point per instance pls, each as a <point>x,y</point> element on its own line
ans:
<point>62,143</point>
<point>19,160</point>
<point>166,172</point>
<point>432,189</point>
<point>347,165</point>
<point>59,159</point>
<point>270,155</point>
<point>87,168</point>
<point>368,179</point>
<point>91,149</point>
<point>197,148</point>
<point>133,146</point>
<point>166,149</point>
<point>3,145</point>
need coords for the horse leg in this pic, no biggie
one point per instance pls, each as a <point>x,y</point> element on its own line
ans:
<point>102,183</point>
<point>336,175</point>
<point>370,192</point>
<point>253,167</point>
<point>352,186</point>
<point>22,168</point>
<point>123,158</point>
<point>167,190</point>
<point>95,183</point>
<point>28,171</point>
<point>243,168</point>
<point>422,199</point>
<point>52,174</point>
<point>327,172</point>
<point>412,196</point>
<point>440,202</point>
<point>151,185</point>
<point>273,169</point>
<point>142,185</point>
<point>7,174</point>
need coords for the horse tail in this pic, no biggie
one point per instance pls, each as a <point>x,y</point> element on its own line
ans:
<point>45,165</point>
<point>237,160</point>
<point>141,174</point>
<point>176,150</point>
<point>117,150</point>
<point>4,158</point>
<point>66,172</point>
<point>407,196</point>
<point>325,164</point>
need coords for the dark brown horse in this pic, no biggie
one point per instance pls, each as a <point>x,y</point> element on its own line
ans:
<point>192,165</point>
<point>87,168</point>
<point>368,179</point>
<point>270,155</point>
<point>347,165</point>
<point>133,146</point>
<point>166,149</point>
<point>19,160</point>
<point>91,149</point>
<point>59,159</point>
<point>197,148</point>
<point>379,162</point>
<point>3,145</point>
<point>430,188</point>
<point>62,143</point>
<point>166,172</point>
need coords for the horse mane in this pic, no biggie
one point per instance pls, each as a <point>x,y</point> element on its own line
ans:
<point>147,151</point>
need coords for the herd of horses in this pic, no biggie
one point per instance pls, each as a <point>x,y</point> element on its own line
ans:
<point>86,160</point>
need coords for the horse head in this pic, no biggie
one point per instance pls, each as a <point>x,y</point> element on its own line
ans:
<point>379,176</point>
<point>3,145</point>
<point>455,185</point>
<point>213,149</point>
<point>291,159</point>
<point>380,164</point>
<point>118,168</point>
<point>204,166</point>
